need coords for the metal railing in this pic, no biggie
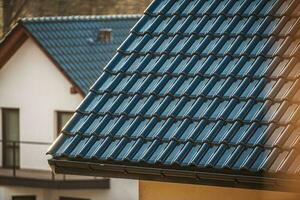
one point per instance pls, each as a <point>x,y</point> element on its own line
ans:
<point>11,155</point>
<point>14,157</point>
<point>13,168</point>
<point>13,173</point>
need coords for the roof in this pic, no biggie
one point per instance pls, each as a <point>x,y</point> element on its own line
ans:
<point>72,43</point>
<point>201,92</point>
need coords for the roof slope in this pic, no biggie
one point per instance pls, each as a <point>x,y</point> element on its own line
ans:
<point>199,86</point>
<point>72,42</point>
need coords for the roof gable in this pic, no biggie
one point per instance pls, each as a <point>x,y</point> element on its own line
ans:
<point>28,76</point>
<point>198,86</point>
<point>71,43</point>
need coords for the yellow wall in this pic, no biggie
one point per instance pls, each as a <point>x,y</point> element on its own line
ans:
<point>150,190</point>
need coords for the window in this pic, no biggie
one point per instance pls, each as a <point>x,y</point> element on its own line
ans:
<point>11,137</point>
<point>71,198</point>
<point>62,119</point>
<point>105,35</point>
<point>24,197</point>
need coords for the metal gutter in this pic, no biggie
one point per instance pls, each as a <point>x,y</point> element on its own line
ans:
<point>177,176</point>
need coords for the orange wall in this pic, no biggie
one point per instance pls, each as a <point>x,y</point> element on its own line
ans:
<point>150,190</point>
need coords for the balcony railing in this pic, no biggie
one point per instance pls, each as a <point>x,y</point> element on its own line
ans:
<point>12,173</point>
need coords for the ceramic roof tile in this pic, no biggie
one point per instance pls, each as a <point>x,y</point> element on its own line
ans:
<point>72,42</point>
<point>197,85</point>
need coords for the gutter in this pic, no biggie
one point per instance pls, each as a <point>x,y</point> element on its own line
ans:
<point>175,176</point>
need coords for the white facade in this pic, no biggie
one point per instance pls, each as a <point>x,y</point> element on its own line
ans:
<point>120,189</point>
<point>30,82</point>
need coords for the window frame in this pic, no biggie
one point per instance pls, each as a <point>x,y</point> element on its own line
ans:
<point>58,120</point>
<point>4,139</point>
<point>105,35</point>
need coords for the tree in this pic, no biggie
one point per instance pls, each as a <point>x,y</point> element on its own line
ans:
<point>14,9</point>
<point>11,11</point>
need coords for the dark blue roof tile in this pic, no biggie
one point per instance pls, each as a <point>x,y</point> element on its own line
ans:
<point>197,85</point>
<point>72,42</point>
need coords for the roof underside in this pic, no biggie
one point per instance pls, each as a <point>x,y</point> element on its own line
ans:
<point>199,86</point>
<point>72,43</point>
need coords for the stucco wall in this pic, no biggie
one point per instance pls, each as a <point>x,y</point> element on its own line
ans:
<point>171,191</point>
<point>30,81</point>
<point>119,191</point>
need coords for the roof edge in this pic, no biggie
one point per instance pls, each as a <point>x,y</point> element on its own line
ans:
<point>11,42</point>
<point>79,17</point>
<point>175,176</point>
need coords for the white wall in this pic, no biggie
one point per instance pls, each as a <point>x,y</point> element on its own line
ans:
<point>118,191</point>
<point>30,81</point>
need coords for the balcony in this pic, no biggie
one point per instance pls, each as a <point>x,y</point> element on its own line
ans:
<point>11,174</point>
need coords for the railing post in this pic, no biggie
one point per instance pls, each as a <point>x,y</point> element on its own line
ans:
<point>14,158</point>
<point>52,176</point>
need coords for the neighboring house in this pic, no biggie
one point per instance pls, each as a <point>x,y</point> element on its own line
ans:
<point>46,67</point>
<point>203,92</point>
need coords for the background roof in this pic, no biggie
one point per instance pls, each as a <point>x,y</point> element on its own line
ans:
<point>199,86</point>
<point>72,42</point>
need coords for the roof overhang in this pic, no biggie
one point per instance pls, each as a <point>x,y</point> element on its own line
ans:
<point>11,43</point>
<point>14,39</point>
<point>175,175</point>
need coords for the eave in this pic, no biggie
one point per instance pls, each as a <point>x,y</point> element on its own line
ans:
<point>176,176</point>
<point>11,43</point>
